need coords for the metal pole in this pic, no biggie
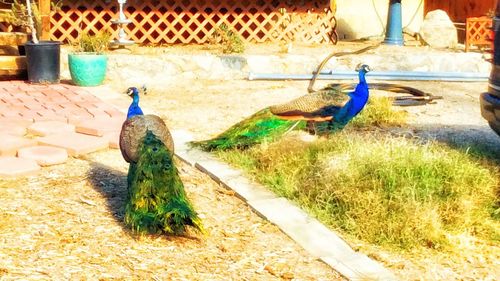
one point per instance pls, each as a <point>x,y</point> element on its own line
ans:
<point>377,75</point>
<point>394,29</point>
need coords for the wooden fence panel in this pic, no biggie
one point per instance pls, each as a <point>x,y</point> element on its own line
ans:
<point>193,21</point>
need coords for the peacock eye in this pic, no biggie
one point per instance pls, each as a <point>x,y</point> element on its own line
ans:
<point>155,149</point>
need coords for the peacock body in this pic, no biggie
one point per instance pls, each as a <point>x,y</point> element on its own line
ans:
<point>330,106</point>
<point>156,199</point>
<point>261,126</point>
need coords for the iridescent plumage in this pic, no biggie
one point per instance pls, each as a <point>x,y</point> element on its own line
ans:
<point>327,105</point>
<point>156,201</point>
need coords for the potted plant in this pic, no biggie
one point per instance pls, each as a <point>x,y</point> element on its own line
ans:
<point>87,65</point>
<point>43,57</point>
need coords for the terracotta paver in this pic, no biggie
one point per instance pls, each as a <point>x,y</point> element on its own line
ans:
<point>99,126</point>
<point>75,143</point>
<point>13,166</point>
<point>113,139</point>
<point>52,117</point>
<point>10,144</point>
<point>52,112</point>
<point>13,129</point>
<point>45,128</point>
<point>16,120</point>
<point>44,155</point>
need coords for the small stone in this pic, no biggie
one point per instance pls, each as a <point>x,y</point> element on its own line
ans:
<point>287,276</point>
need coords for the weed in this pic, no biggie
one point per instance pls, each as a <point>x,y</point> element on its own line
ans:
<point>97,43</point>
<point>379,112</point>
<point>230,41</point>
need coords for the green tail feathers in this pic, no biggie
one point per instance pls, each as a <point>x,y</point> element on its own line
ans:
<point>261,126</point>
<point>156,199</point>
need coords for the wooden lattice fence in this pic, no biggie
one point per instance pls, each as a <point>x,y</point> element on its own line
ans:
<point>478,31</point>
<point>193,21</point>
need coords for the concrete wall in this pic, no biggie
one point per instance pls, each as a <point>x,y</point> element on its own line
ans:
<point>366,18</point>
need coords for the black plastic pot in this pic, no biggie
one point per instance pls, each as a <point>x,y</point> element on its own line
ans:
<point>21,50</point>
<point>44,62</point>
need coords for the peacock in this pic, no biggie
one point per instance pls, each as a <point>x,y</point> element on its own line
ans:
<point>156,200</point>
<point>330,108</point>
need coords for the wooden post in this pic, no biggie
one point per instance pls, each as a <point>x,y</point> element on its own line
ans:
<point>44,6</point>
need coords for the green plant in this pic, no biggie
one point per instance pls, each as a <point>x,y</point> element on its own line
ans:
<point>230,41</point>
<point>380,112</point>
<point>27,15</point>
<point>97,43</point>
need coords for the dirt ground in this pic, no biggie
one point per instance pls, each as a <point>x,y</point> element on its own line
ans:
<point>66,223</point>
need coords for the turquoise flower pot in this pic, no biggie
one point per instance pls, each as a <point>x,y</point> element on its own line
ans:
<point>87,69</point>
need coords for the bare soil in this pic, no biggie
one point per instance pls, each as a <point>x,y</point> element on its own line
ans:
<point>66,224</point>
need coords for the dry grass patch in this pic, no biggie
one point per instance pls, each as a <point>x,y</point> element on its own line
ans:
<point>388,191</point>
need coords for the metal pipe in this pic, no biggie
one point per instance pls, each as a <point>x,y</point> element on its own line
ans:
<point>378,75</point>
<point>394,32</point>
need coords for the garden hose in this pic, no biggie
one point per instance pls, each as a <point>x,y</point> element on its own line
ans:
<point>415,97</point>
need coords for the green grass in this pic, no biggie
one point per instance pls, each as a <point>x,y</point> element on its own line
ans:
<point>389,191</point>
<point>379,112</point>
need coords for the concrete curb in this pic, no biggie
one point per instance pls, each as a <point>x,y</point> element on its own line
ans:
<point>313,236</point>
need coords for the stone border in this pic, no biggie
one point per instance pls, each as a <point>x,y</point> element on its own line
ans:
<point>313,236</point>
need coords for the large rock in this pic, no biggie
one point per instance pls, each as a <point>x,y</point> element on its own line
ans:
<point>438,30</point>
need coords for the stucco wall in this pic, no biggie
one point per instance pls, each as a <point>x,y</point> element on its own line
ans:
<point>365,18</point>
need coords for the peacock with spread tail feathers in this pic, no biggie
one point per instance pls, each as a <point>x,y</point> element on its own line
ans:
<point>156,200</point>
<point>330,106</point>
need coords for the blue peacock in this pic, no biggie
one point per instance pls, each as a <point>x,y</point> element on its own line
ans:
<point>156,200</point>
<point>330,108</point>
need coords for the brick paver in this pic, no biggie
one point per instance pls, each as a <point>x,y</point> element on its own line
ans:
<point>45,128</point>
<point>13,129</point>
<point>16,121</point>
<point>52,112</point>
<point>75,143</point>
<point>100,126</point>
<point>113,139</point>
<point>10,144</point>
<point>13,166</point>
<point>44,155</point>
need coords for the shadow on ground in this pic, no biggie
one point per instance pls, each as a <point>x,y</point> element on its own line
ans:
<point>479,141</point>
<point>112,185</point>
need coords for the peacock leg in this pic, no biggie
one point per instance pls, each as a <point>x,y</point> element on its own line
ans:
<point>311,128</point>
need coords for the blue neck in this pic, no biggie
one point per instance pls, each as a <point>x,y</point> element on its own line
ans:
<point>359,97</point>
<point>361,76</point>
<point>134,108</point>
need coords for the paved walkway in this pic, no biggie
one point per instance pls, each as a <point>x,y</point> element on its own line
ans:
<point>42,125</point>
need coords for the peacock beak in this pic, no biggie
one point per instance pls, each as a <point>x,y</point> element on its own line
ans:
<point>129,92</point>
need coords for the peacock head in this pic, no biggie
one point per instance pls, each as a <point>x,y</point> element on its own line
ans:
<point>363,67</point>
<point>133,91</point>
